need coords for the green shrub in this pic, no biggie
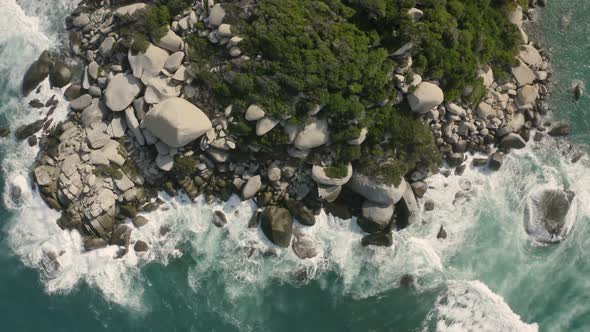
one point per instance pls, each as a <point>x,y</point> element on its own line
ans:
<point>184,166</point>
<point>337,171</point>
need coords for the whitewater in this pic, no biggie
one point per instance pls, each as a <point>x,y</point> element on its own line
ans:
<point>487,275</point>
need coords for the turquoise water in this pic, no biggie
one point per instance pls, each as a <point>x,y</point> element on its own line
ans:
<point>486,276</point>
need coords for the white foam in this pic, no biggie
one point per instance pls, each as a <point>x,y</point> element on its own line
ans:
<point>472,306</point>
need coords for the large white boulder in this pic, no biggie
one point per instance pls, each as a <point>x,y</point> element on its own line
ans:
<point>177,122</point>
<point>376,191</point>
<point>523,74</point>
<point>121,92</point>
<point>530,55</point>
<point>158,90</point>
<point>314,134</point>
<point>130,9</point>
<point>174,62</point>
<point>171,42</point>
<point>527,94</point>
<point>148,65</point>
<point>216,15</point>
<point>426,97</point>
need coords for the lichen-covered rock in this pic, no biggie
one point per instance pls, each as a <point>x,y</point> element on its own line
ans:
<point>177,122</point>
<point>319,175</point>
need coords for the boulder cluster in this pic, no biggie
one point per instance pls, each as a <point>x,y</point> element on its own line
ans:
<point>138,125</point>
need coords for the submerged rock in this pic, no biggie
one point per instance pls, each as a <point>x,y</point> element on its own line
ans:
<point>549,214</point>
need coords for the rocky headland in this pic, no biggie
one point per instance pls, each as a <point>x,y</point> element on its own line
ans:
<point>141,122</point>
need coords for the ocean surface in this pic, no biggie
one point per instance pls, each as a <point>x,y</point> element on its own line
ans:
<point>486,276</point>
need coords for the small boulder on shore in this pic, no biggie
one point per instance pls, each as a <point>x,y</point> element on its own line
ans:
<point>277,225</point>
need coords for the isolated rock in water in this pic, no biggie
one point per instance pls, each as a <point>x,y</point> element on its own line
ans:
<point>37,72</point>
<point>25,131</point>
<point>277,225</point>
<point>177,122</point>
<point>550,214</point>
<point>121,92</point>
<point>578,88</point>
<point>219,219</point>
<point>426,97</point>
<point>60,75</point>
<point>560,129</point>
<point>313,135</point>
<point>376,191</point>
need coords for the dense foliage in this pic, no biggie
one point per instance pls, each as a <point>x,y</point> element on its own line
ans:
<point>340,54</point>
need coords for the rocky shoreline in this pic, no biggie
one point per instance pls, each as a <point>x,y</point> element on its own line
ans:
<point>138,126</point>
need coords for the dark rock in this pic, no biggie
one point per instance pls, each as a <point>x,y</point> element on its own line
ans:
<point>37,72</point>
<point>379,240</point>
<point>254,220</point>
<point>277,225</point>
<point>407,281</point>
<point>538,136</point>
<point>219,219</point>
<point>442,234</point>
<point>150,207</point>
<point>302,213</point>
<point>60,75</point>
<point>338,209</point>
<point>479,162</point>
<point>16,193</point>
<point>546,214</point>
<point>496,161</point>
<point>32,140</point>
<point>370,226</point>
<point>4,132</point>
<point>52,101</point>
<point>73,91</point>
<point>36,103</point>
<point>25,131</point>
<point>264,198</point>
<point>51,110</point>
<point>140,246</point>
<point>164,229</point>
<point>578,91</point>
<point>127,210</point>
<point>120,236</point>
<point>429,205</point>
<point>139,221</point>
<point>512,141</point>
<point>560,129</point>
<point>577,157</point>
<point>460,169</point>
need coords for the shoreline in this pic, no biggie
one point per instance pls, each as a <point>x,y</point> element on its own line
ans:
<point>131,186</point>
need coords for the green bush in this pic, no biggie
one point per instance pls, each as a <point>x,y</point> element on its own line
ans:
<point>184,166</point>
<point>337,171</point>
